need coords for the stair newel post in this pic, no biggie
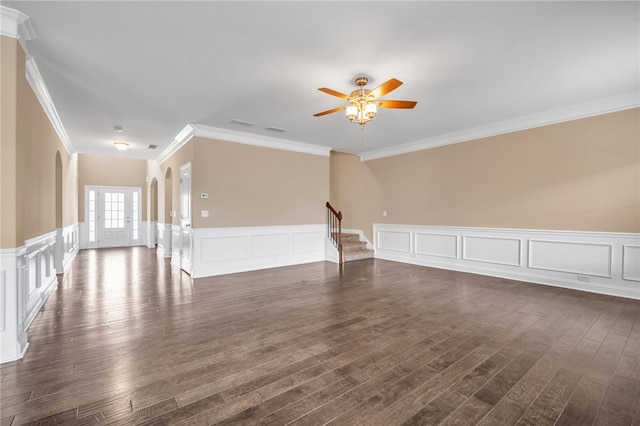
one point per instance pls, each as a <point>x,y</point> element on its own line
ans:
<point>334,222</point>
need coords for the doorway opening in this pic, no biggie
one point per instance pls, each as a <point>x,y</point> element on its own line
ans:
<point>113,216</point>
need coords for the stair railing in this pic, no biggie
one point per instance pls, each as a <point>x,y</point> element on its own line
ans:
<point>334,229</point>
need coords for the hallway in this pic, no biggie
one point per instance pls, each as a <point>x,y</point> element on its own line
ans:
<point>126,338</point>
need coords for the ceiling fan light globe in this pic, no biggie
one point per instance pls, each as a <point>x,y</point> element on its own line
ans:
<point>370,110</point>
<point>352,112</point>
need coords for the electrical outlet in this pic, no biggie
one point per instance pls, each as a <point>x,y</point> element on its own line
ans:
<point>583,278</point>
<point>384,213</point>
<point>204,213</point>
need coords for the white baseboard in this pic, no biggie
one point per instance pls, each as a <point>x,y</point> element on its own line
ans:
<point>218,251</point>
<point>597,262</point>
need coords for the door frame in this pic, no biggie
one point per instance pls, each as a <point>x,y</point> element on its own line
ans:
<point>186,229</point>
<point>95,243</point>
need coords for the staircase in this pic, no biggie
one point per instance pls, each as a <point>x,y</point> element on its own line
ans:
<point>353,248</point>
<point>348,245</point>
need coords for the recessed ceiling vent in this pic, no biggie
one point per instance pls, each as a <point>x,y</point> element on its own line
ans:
<point>152,146</point>
<point>242,122</point>
<point>276,129</point>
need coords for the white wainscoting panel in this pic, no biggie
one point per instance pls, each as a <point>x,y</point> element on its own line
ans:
<point>307,242</point>
<point>67,246</point>
<point>28,277</point>
<point>394,241</point>
<point>218,251</point>
<point>164,239</point>
<point>152,235</point>
<point>175,245</point>
<point>631,263</point>
<point>223,249</point>
<point>607,263</point>
<point>572,257</point>
<point>441,245</point>
<point>270,245</point>
<point>501,251</point>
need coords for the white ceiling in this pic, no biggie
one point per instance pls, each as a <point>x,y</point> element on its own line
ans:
<point>153,67</point>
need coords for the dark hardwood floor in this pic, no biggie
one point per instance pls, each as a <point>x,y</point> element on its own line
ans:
<point>128,339</point>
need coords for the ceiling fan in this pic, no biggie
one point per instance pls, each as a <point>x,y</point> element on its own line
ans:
<point>364,102</point>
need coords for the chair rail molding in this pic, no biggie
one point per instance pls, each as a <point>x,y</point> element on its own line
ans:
<point>598,262</point>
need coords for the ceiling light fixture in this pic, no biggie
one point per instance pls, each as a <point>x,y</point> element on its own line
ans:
<point>362,108</point>
<point>121,145</point>
<point>365,102</point>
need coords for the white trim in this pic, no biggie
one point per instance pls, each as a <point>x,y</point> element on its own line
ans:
<point>16,24</point>
<point>181,138</point>
<point>589,109</point>
<point>175,246</point>
<point>84,226</point>
<point>41,239</point>
<point>587,261</point>
<point>163,231</point>
<point>28,278</point>
<point>67,246</point>
<point>151,233</point>
<point>36,82</point>
<point>200,130</point>
<point>218,251</point>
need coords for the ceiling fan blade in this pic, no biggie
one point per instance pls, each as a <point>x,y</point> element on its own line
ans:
<point>396,104</point>
<point>320,114</point>
<point>385,88</point>
<point>334,93</point>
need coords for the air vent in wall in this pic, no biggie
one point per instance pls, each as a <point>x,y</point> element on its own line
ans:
<point>152,146</point>
<point>276,129</point>
<point>242,122</point>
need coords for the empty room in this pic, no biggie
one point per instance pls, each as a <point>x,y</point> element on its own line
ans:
<point>319,212</point>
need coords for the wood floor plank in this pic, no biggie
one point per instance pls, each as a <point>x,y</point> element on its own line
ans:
<point>127,339</point>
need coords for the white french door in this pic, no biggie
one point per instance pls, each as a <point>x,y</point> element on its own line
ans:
<point>113,216</point>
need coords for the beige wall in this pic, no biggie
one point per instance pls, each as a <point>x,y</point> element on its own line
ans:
<point>254,186</point>
<point>29,148</point>
<point>99,170</point>
<point>8,96</point>
<point>582,175</point>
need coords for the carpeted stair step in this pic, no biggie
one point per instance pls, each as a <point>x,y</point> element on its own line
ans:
<point>353,248</point>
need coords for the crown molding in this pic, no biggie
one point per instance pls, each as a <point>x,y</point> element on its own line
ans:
<point>36,82</point>
<point>181,138</point>
<point>16,24</point>
<point>226,135</point>
<point>259,140</point>
<point>603,106</point>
